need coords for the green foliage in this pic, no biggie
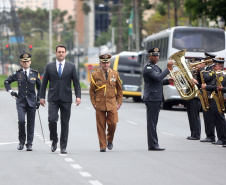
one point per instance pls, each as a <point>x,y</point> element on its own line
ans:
<point>39,59</point>
<point>86,9</point>
<point>161,8</point>
<point>2,79</point>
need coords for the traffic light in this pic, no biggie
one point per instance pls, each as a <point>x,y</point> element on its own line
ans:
<point>30,47</point>
<point>7,46</point>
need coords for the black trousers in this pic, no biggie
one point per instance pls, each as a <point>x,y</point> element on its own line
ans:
<point>153,109</point>
<point>193,108</point>
<point>22,111</point>
<point>219,121</point>
<point>65,113</point>
<point>209,124</point>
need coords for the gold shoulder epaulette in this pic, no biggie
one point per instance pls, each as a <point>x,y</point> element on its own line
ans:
<point>34,70</point>
<point>18,70</point>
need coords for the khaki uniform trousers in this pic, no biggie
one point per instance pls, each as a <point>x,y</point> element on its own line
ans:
<point>103,117</point>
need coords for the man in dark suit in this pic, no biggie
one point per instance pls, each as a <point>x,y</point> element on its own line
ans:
<point>153,94</point>
<point>60,74</point>
<point>26,100</point>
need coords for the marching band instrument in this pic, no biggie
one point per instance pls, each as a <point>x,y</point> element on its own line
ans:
<point>204,99</point>
<point>186,89</point>
<point>219,98</point>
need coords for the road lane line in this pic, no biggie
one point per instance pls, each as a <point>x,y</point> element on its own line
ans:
<point>76,166</point>
<point>69,159</point>
<point>95,182</point>
<point>133,123</point>
<point>166,133</point>
<point>85,174</point>
<point>9,143</point>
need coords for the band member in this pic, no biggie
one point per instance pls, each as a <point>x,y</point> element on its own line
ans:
<point>219,118</point>
<point>60,74</point>
<point>153,94</point>
<point>209,56</point>
<point>194,105</point>
<point>106,98</point>
<point>26,100</point>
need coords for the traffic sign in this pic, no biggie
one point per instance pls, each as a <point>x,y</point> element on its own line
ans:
<point>90,67</point>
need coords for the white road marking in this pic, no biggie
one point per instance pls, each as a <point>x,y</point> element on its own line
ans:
<point>166,133</point>
<point>95,182</point>
<point>88,108</point>
<point>63,155</point>
<point>76,166</point>
<point>8,143</point>
<point>133,123</point>
<point>48,142</point>
<point>85,174</point>
<point>69,159</point>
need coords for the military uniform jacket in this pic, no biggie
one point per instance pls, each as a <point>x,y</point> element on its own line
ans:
<point>154,81</point>
<point>60,87</point>
<point>26,88</point>
<point>106,101</point>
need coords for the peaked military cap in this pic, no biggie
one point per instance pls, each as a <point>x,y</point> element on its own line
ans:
<point>208,55</point>
<point>105,58</point>
<point>25,57</point>
<point>217,61</point>
<point>154,51</point>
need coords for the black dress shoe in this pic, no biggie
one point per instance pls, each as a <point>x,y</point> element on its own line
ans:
<point>218,142</point>
<point>224,145</point>
<point>192,138</point>
<point>29,147</point>
<point>156,148</point>
<point>63,151</point>
<point>54,146</point>
<point>103,150</point>
<point>20,146</point>
<point>207,140</point>
<point>110,146</point>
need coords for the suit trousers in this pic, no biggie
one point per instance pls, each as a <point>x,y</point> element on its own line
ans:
<point>153,109</point>
<point>22,110</point>
<point>103,117</point>
<point>219,121</point>
<point>193,108</point>
<point>209,124</point>
<point>65,113</point>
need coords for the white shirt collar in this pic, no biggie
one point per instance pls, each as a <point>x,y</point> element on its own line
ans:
<point>63,62</point>
<point>28,70</point>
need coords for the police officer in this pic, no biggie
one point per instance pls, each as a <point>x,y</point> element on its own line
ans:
<point>26,100</point>
<point>153,94</point>
<point>219,118</point>
<point>106,97</point>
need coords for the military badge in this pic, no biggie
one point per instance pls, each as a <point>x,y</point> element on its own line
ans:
<point>105,56</point>
<point>148,67</point>
<point>210,74</point>
<point>156,49</point>
<point>25,55</point>
<point>221,78</point>
<point>32,78</point>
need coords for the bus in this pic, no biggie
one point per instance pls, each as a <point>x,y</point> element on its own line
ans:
<point>130,73</point>
<point>196,40</point>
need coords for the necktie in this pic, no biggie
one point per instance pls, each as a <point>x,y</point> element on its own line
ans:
<point>59,70</point>
<point>106,73</point>
<point>26,75</point>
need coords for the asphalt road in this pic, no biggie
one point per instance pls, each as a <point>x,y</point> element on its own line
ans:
<point>129,163</point>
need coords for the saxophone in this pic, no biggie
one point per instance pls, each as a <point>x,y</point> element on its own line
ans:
<point>204,99</point>
<point>219,98</point>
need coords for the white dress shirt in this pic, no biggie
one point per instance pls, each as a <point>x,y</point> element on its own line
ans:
<point>28,71</point>
<point>62,66</point>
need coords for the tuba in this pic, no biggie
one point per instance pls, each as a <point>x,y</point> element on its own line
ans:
<point>186,89</point>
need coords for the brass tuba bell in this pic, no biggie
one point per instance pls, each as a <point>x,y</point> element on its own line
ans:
<point>186,89</point>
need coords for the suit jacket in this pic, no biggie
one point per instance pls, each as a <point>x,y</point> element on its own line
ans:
<point>26,88</point>
<point>154,81</point>
<point>60,87</point>
<point>106,102</point>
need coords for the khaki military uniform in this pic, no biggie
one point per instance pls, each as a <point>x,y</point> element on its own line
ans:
<point>105,95</point>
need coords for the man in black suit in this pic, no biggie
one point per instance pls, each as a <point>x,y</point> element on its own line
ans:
<point>26,100</point>
<point>60,74</point>
<point>153,94</point>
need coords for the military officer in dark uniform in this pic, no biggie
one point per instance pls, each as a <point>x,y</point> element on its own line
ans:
<point>219,118</point>
<point>209,56</point>
<point>153,94</point>
<point>26,100</point>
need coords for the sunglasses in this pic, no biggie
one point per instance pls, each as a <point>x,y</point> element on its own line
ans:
<point>25,61</point>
